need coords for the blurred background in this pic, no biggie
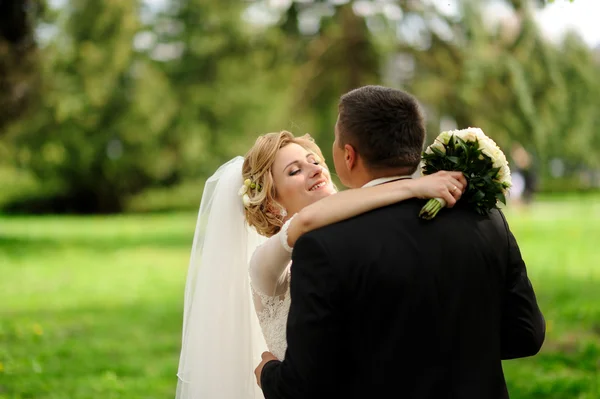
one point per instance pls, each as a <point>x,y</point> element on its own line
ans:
<point>113,113</point>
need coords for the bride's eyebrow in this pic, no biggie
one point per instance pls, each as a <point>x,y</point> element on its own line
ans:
<point>290,164</point>
<point>309,155</point>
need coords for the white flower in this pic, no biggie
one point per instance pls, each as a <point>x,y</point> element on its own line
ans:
<point>500,160</point>
<point>478,132</point>
<point>444,137</point>
<point>504,176</point>
<point>489,148</point>
<point>246,200</point>
<point>469,134</point>
<point>436,144</point>
<point>243,190</point>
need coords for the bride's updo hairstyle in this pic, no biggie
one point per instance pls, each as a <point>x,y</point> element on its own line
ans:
<point>260,207</point>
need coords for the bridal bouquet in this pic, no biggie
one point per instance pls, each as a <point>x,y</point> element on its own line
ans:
<point>481,161</point>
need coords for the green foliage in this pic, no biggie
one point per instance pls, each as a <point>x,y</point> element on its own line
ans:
<point>19,60</point>
<point>115,121</point>
<point>131,101</point>
<point>342,57</point>
<point>85,122</point>
<point>511,81</point>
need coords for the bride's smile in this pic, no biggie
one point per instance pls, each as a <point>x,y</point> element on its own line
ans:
<point>300,177</point>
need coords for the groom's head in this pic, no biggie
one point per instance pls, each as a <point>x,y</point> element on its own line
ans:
<point>380,132</point>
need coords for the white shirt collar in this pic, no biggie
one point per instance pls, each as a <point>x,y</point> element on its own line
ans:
<point>382,180</point>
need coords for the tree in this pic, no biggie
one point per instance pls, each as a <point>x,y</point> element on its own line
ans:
<point>196,88</point>
<point>510,81</point>
<point>336,54</point>
<point>19,79</point>
<point>82,140</point>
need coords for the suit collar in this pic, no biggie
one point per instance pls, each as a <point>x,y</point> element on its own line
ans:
<point>382,180</point>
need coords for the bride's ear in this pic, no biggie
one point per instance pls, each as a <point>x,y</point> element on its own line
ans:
<point>276,210</point>
<point>350,156</point>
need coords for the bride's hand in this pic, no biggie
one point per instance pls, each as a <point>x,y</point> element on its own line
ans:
<point>266,358</point>
<point>443,184</point>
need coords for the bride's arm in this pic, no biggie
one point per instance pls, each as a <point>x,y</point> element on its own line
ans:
<point>350,203</point>
<point>270,260</point>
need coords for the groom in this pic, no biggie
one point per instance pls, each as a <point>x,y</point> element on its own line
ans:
<point>389,304</point>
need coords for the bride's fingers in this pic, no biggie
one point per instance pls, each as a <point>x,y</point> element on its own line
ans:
<point>457,194</point>
<point>455,186</point>
<point>460,177</point>
<point>458,188</point>
<point>447,196</point>
<point>460,184</point>
<point>453,193</point>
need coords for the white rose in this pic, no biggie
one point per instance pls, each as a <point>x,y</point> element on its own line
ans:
<point>500,160</point>
<point>444,137</point>
<point>243,190</point>
<point>505,175</point>
<point>478,132</point>
<point>436,144</point>
<point>467,134</point>
<point>489,148</point>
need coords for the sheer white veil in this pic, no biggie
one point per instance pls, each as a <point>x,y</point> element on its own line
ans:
<point>222,340</point>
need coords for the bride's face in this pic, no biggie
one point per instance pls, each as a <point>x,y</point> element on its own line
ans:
<point>300,178</point>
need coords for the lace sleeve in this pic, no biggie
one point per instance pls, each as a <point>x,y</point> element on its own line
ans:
<point>269,264</point>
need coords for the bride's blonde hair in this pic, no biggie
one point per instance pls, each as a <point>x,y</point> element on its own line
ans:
<point>262,211</point>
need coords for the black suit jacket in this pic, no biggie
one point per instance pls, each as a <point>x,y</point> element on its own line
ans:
<point>387,303</point>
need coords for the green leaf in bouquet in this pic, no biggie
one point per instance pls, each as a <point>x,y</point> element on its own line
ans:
<point>451,142</point>
<point>463,146</point>
<point>437,152</point>
<point>477,182</point>
<point>478,196</point>
<point>501,197</point>
<point>487,158</point>
<point>493,172</point>
<point>454,159</point>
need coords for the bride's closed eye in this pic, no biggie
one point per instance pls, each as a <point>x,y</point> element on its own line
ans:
<point>296,171</point>
<point>314,161</point>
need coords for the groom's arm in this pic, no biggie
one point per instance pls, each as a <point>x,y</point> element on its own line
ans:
<point>313,329</point>
<point>523,325</point>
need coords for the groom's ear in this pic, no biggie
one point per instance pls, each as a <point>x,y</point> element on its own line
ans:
<point>350,156</point>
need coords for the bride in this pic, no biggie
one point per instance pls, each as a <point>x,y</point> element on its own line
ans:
<point>253,210</point>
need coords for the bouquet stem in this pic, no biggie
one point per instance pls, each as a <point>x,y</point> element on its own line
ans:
<point>431,208</point>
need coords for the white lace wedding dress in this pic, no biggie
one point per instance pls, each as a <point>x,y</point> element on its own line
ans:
<point>270,282</point>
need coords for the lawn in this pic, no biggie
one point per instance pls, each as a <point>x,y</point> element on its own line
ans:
<point>90,307</point>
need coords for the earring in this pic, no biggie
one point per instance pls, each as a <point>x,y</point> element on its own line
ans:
<point>283,213</point>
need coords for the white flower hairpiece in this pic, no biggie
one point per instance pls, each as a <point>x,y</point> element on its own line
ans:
<point>243,191</point>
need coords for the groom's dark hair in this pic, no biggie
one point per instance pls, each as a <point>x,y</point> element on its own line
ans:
<point>384,125</point>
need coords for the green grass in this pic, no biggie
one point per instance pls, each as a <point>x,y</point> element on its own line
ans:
<point>90,307</point>
<point>560,243</point>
